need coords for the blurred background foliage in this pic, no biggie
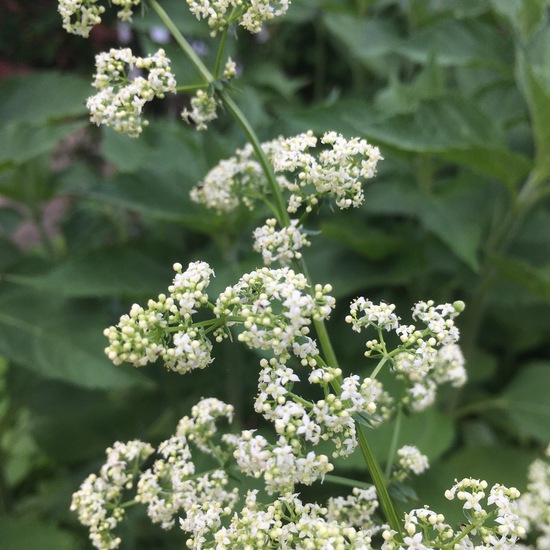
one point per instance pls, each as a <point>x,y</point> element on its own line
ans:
<point>456,95</point>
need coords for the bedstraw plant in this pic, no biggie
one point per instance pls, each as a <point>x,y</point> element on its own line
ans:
<point>318,414</point>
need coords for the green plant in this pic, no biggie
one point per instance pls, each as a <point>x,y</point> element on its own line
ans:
<point>436,110</point>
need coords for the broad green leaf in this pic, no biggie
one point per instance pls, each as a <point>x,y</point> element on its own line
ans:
<point>526,401</point>
<point>366,241</point>
<point>41,98</point>
<point>455,129</point>
<point>533,279</point>
<point>120,271</point>
<point>166,147</point>
<point>59,340</point>
<point>364,39</point>
<point>525,17</point>
<point>448,215</point>
<point>23,141</point>
<point>399,98</point>
<point>20,533</point>
<point>454,42</point>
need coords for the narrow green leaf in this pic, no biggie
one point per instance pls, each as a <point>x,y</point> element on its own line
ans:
<point>534,82</point>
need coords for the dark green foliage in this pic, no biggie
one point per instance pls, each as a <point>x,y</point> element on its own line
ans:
<point>457,97</point>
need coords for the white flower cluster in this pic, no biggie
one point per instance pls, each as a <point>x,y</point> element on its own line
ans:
<point>316,421</point>
<point>355,510</point>
<point>337,171</point>
<point>490,525</point>
<point>204,103</point>
<point>250,14</point>
<point>80,16</point>
<point>274,308</point>
<point>203,110</point>
<point>289,523</point>
<point>412,460</point>
<point>165,329</point>
<point>98,501</point>
<point>534,505</point>
<point>281,246</point>
<point>172,486</point>
<point>508,523</point>
<point>281,464</point>
<point>122,94</point>
<point>426,358</point>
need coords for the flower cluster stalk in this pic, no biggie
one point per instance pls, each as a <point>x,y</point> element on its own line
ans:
<point>284,220</point>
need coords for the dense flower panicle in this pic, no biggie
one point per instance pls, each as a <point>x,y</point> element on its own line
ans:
<point>201,427</point>
<point>338,170</point>
<point>281,246</point>
<point>281,465</point>
<point>172,486</point>
<point>203,110</point>
<point>250,14</point>
<point>98,501</point>
<point>328,419</point>
<point>412,460</point>
<point>426,530</point>
<point>289,523</point>
<point>473,493</point>
<point>80,16</point>
<point>123,92</point>
<point>274,308</point>
<point>355,510</point>
<point>364,313</point>
<point>146,334</point>
<point>335,172</point>
<point>534,504</point>
<point>427,357</point>
<point>492,521</point>
<point>229,182</point>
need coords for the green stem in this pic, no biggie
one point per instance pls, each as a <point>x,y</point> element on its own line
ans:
<point>394,441</point>
<point>223,40</point>
<point>182,43</point>
<point>282,217</point>
<point>346,481</point>
<point>284,220</point>
<point>381,363</point>
<point>379,481</point>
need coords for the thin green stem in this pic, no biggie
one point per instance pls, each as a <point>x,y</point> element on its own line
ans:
<point>346,481</point>
<point>394,441</point>
<point>284,220</point>
<point>379,481</point>
<point>378,368</point>
<point>219,56</point>
<point>182,43</point>
<point>282,217</point>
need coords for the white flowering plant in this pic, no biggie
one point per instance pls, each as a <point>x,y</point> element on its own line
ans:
<point>216,482</point>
